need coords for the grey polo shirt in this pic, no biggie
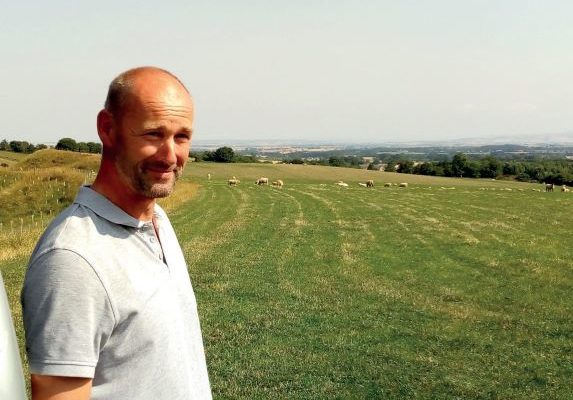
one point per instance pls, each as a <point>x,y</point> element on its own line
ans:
<point>104,298</point>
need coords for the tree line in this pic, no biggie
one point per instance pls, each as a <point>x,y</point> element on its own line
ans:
<point>68,144</point>
<point>540,169</point>
<point>559,172</point>
<point>20,146</point>
<point>223,154</point>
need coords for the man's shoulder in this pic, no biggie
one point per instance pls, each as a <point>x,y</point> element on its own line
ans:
<point>70,230</point>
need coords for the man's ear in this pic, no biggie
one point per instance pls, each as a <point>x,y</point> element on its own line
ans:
<point>106,128</point>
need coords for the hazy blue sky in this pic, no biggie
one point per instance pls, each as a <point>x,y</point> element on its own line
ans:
<point>329,70</point>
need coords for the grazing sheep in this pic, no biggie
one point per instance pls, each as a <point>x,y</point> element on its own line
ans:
<point>362,184</point>
<point>369,183</point>
<point>342,184</point>
<point>262,181</point>
<point>387,185</point>
<point>233,181</point>
<point>278,183</point>
<point>403,184</point>
<point>564,189</point>
<point>549,187</point>
<point>208,176</point>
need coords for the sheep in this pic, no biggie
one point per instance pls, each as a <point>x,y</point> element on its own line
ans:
<point>387,185</point>
<point>278,183</point>
<point>549,187</point>
<point>341,184</point>
<point>233,181</point>
<point>262,181</point>
<point>564,189</point>
<point>403,185</point>
<point>208,176</point>
<point>362,184</point>
<point>369,183</point>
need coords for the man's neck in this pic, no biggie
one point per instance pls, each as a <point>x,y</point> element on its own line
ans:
<point>108,184</point>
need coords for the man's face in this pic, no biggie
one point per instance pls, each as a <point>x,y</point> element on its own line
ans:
<point>154,137</point>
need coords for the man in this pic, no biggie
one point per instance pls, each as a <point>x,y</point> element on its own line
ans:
<point>109,311</point>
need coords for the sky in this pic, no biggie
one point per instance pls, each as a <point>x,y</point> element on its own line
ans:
<point>340,71</point>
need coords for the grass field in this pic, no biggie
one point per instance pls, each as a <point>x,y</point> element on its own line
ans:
<point>10,158</point>
<point>440,290</point>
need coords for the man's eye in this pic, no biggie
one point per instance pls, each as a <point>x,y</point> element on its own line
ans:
<point>153,134</point>
<point>183,137</point>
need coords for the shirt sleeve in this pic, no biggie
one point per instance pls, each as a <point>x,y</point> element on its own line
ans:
<point>67,315</point>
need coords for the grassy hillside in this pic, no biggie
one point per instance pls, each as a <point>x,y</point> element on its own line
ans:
<point>315,291</point>
<point>10,158</point>
<point>450,288</point>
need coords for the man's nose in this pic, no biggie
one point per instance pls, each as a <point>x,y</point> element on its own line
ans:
<point>169,152</point>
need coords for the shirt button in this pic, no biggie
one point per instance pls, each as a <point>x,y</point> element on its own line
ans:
<point>152,240</point>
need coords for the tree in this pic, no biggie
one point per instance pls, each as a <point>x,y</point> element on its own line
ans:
<point>406,167</point>
<point>490,167</point>
<point>198,156</point>
<point>224,154</point>
<point>390,167</point>
<point>459,164</point>
<point>208,155</point>
<point>94,147</point>
<point>472,169</point>
<point>30,148</point>
<point>18,146</point>
<point>68,144</point>
<point>4,145</point>
<point>353,161</point>
<point>83,147</point>
<point>426,168</point>
<point>336,161</point>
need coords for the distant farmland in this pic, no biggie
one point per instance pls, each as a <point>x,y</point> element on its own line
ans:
<point>450,288</point>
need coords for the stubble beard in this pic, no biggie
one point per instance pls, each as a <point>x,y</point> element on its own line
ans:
<point>144,184</point>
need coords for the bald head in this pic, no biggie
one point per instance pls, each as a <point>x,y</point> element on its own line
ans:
<point>123,88</point>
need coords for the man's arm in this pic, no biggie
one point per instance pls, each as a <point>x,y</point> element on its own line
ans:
<point>68,319</point>
<point>46,387</point>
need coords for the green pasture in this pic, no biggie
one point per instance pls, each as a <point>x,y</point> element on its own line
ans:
<point>316,291</point>
<point>450,288</point>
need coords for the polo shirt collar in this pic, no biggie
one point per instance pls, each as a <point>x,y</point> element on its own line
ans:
<point>106,209</point>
